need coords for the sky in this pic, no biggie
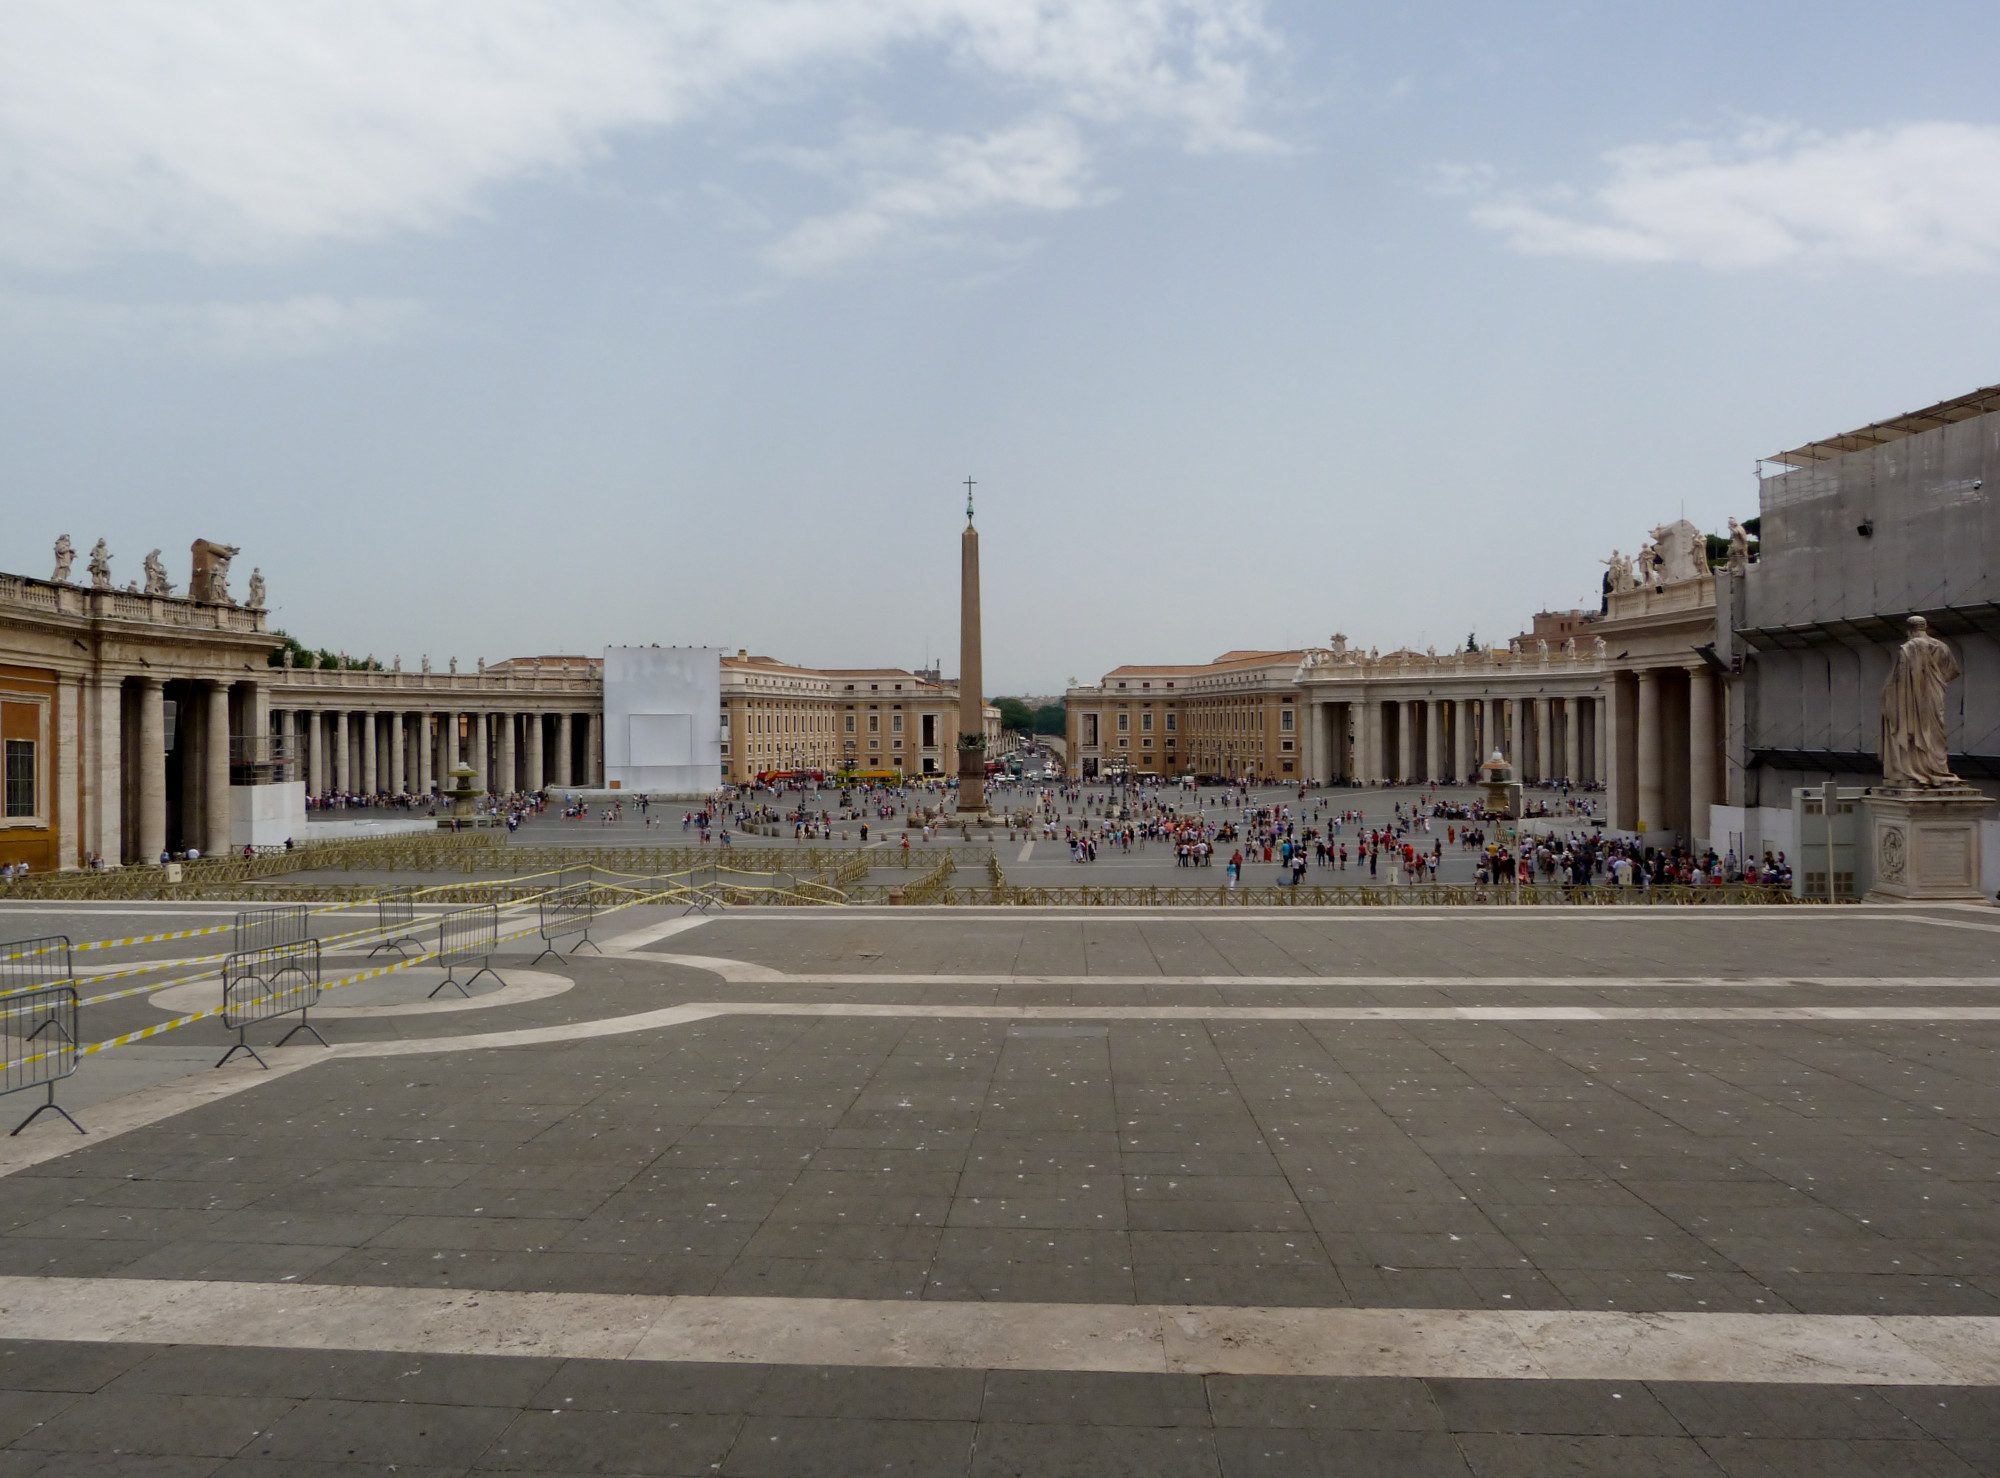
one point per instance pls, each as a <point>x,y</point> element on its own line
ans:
<point>504,327</point>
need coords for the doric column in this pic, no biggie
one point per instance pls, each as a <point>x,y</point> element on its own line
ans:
<point>1434,722</point>
<point>150,765</point>
<point>564,750</point>
<point>104,768</point>
<point>1492,739</point>
<point>1652,770</point>
<point>593,742</point>
<point>365,738</point>
<point>1701,751</point>
<point>536,775</point>
<point>1575,713</point>
<point>394,719</point>
<point>65,811</point>
<point>1406,742</point>
<point>447,749</point>
<point>1545,740</point>
<point>426,742</point>
<point>343,774</point>
<point>1462,763</point>
<point>475,742</point>
<point>509,772</point>
<point>1600,717</point>
<point>215,770</point>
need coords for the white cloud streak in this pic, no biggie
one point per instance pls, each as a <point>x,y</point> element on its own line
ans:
<point>1922,198</point>
<point>232,130</point>
<point>258,331</point>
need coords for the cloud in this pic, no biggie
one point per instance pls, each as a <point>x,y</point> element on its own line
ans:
<point>240,130</point>
<point>909,185</point>
<point>1922,198</point>
<point>283,328</point>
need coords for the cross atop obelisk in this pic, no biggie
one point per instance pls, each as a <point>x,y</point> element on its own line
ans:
<point>971,691</point>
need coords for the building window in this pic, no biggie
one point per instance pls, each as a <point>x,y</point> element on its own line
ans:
<point>1286,746</point>
<point>1285,720</point>
<point>1170,722</point>
<point>874,723</point>
<point>1124,743</point>
<point>930,731</point>
<point>21,787</point>
<point>1090,729</point>
<point>1146,722</point>
<point>725,746</point>
<point>896,723</point>
<point>874,743</point>
<point>1124,722</point>
<point>850,723</point>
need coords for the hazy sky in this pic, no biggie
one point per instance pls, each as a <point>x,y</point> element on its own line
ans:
<point>496,327</point>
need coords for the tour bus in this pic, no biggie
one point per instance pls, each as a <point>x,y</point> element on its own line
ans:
<point>870,777</point>
<point>791,777</point>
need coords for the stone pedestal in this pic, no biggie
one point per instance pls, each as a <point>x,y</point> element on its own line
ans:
<point>1924,844</point>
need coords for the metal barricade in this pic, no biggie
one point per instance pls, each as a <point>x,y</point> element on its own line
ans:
<point>566,911</point>
<point>34,1062</point>
<point>29,964</point>
<point>468,936</point>
<point>396,919</point>
<point>264,984</point>
<point>267,928</point>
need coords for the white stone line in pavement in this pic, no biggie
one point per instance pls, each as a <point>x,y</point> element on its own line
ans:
<point>1790,1349</point>
<point>692,1011</point>
<point>745,972</point>
<point>625,943</point>
<point>1027,851</point>
<point>524,986</point>
<point>1396,913</point>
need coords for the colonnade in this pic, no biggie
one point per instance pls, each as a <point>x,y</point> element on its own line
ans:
<point>1666,758</point>
<point>158,756</point>
<point>413,752</point>
<point>1544,736</point>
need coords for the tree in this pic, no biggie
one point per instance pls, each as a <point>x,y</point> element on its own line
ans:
<point>1472,641</point>
<point>1051,719</point>
<point>1015,715</point>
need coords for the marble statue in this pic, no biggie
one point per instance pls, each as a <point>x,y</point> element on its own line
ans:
<point>65,557</point>
<point>100,566</point>
<point>285,657</point>
<point>482,666</point>
<point>1433,653</point>
<point>157,582</point>
<point>1621,572</point>
<point>1739,548</point>
<point>397,665</point>
<point>426,667</point>
<point>209,581</point>
<point>1648,564</point>
<point>1569,649</point>
<point>256,598</point>
<point>1601,648</point>
<point>1913,711</point>
<point>1680,552</point>
<point>454,667</point>
<point>1339,645</point>
<point>1542,650</point>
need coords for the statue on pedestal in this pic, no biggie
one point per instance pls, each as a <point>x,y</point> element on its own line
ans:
<point>1619,569</point>
<point>100,566</point>
<point>426,667</point>
<point>285,657</point>
<point>157,582</point>
<point>1542,650</point>
<point>65,557</point>
<point>1913,733</point>
<point>256,600</point>
<point>1739,548</point>
<point>454,667</point>
<point>1601,649</point>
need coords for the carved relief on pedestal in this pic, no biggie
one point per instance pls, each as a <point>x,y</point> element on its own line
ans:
<point>1891,853</point>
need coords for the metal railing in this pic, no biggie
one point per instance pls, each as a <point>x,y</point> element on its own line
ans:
<point>396,920</point>
<point>264,984</point>
<point>564,911</point>
<point>27,963</point>
<point>265,928</point>
<point>263,759</point>
<point>467,936</point>
<point>38,1031</point>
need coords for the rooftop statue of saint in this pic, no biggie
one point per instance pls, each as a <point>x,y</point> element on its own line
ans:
<point>157,582</point>
<point>1739,548</point>
<point>208,581</point>
<point>100,566</point>
<point>65,557</point>
<point>1913,735</point>
<point>256,600</point>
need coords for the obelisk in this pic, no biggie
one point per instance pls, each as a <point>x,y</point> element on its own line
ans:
<point>971,696</point>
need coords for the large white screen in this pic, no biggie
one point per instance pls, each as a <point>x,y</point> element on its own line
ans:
<point>662,719</point>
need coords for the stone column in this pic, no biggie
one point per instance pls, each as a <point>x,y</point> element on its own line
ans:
<point>364,738</point>
<point>104,768</point>
<point>475,743</point>
<point>426,746</point>
<point>1545,740</point>
<point>215,770</point>
<point>1652,770</point>
<point>535,779</point>
<point>1434,721</point>
<point>343,771</point>
<point>509,771</point>
<point>565,751</point>
<point>150,767</point>
<point>971,763</point>
<point>397,779</point>
<point>1493,738</point>
<point>1574,715</point>
<point>1600,716</point>
<point>447,748</point>
<point>593,742</point>
<point>1464,752</point>
<point>65,808</point>
<point>1701,751</point>
<point>1406,741</point>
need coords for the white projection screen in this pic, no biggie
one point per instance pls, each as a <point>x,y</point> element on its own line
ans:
<point>663,719</point>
